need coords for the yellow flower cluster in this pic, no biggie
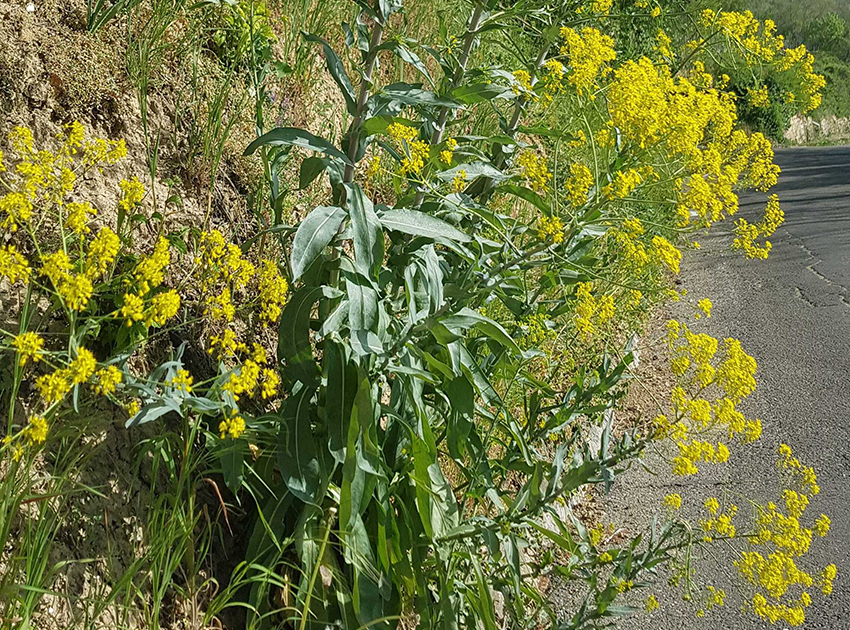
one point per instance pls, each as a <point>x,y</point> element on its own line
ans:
<point>182,381</point>
<point>522,84</point>
<point>273,289</point>
<point>534,170</point>
<point>578,184</point>
<point>447,154</point>
<point>588,54</point>
<point>747,234</point>
<point>28,346</point>
<point>758,97</point>
<point>553,79</point>
<point>667,253</point>
<point>662,44</point>
<point>623,184</point>
<point>17,208</point>
<point>13,266</point>
<point>55,385</point>
<point>459,181</point>
<point>695,363</point>
<point>232,426</point>
<point>673,501</point>
<point>107,380</point>
<point>414,161</point>
<point>590,310</point>
<point>133,193</point>
<point>550,229</point>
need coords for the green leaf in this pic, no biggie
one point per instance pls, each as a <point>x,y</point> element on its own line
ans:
<point>311,168</point>
<point>479,92</point>
<point>420,224</point>
<point>413,94</point>
<point>462,397</point>
<point>314,233</point>
<point>294,349</point>
<point>362,302</point>
<point>408,56</point>
<point>337,71</point>
<point>466,318</point>
<point>473,170</point>
<point>525,193</point>
<point>293,136</point>
<point>298,457</point>
<point>368,232</point>
<point>342,387</point>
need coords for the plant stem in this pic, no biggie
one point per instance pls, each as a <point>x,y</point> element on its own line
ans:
<point>469,41</point>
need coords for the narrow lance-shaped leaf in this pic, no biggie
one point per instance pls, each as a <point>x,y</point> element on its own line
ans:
<point>314,233</point>
<point>418,223</point>
<point>342,387</point>
<point>293,136</point>
<point>298,458</point>
<point>337,71</point>
<point>368,232</point>
<point>294,350</point>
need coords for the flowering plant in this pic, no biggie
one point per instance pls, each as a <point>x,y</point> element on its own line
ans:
<point>411,419</point>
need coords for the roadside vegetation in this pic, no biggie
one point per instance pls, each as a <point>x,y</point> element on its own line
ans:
<point>316,313</point>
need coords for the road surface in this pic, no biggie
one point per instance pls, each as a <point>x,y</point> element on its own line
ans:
<point>792,313</point>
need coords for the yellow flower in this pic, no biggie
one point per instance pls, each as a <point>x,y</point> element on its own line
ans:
<point>270,383</point>
<point>822,525</point>
<point>244,381</point>
<point>578,184</point>
<point>164,306</point>
<point>666,253</point>
<point>447,153</point>
<point>223,346</point>
<point>459,181</point>
<point>133,191</point>
<point>82,367</point>
<point>56,266</point>
<point>76,291</point>
<point>415,161</point>
<point>133,407</point>
<point>624,183</point>
<point>133,309</point>
<point>705,306</point>
<point>36,430</point>
<point>78,214</point>
<point>12,265</point>
<point>232,426</point>
<point>29,346</point>
<point>182,381</point>
<point>53,386</point>
<point>588,54</point>
<point>550,229</point>
<point>150,270</point>
<point>107,380</point>
<point>75,135</point>
<point>656,11</point>
<point>673,501</point>
<point>652,604</point>
<point>523,84</point>
<point>758,97</point>
<point>17,208</point>
<point>21,140</point>
<point>400,132</point>
<point>220,307</point>
<point>273,289</point>
<point>533,168</point>
<point>102,251</point>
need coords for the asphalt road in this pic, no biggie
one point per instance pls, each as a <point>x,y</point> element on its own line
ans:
<point>792,313</point>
